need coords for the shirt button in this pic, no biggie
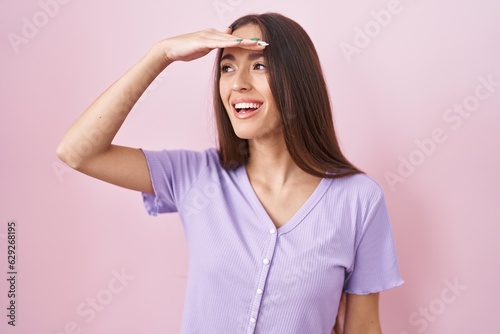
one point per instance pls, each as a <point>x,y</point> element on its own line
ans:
<point>253,320</point>
<point>260,291</point>
<point>266,261</point>
<point>272,231</point>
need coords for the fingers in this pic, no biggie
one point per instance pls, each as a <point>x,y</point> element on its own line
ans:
<point>245,43</point>
<point>227,40</point>
<point>253,44</point>
<point>195,45</point>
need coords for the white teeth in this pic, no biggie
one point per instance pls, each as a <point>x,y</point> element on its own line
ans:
<point>247,105</point>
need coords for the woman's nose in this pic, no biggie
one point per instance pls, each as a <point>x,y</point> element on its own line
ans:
<point>241,81</point>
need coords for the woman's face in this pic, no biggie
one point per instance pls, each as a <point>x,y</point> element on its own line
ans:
<point>245,91</point>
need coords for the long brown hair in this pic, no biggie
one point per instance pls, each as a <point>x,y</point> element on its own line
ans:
<point>299,89</point>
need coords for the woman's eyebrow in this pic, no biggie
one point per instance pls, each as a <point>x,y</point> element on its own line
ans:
<point>251,56</point>
<point>227,56</point>
<point>255,56</point>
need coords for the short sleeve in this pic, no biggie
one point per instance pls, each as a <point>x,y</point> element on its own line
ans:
<point>375,266</point>
<point>172,173</point>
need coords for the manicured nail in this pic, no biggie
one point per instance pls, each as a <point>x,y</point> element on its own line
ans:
<point>255,39</point>
<point>263,44</point>
<point>238,39</point>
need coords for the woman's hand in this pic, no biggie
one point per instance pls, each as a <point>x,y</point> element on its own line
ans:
<point>198,44</point>
<point>87,146</point>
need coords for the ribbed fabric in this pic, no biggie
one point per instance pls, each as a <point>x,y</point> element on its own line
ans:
<point>247,277</point>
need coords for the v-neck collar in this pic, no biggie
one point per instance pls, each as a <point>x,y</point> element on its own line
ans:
<point>297,217</point>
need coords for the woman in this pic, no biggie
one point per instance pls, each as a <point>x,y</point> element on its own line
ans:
<point>278,222</point>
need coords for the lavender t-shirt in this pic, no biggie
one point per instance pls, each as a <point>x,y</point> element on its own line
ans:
<point>246,276</point>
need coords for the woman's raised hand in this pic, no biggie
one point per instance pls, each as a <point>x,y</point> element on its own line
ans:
<point>87,145</point>
<point>198,44</point>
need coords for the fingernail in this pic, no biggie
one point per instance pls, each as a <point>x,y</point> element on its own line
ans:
<point>238,39</point>
<point>255,39</point>
<point>263,44</point>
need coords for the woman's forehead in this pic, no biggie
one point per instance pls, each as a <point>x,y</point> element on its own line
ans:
<point>247,31</point>
<point>233,54</point>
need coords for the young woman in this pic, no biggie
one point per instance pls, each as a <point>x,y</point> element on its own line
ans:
<point>279,224</point>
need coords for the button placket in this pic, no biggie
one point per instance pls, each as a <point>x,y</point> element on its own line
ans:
<point>265,266</point>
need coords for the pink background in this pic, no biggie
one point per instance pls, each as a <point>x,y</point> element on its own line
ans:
<point>75,233</point>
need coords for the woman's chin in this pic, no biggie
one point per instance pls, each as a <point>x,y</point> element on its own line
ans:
<point>254,131</point>
<point>244,135</point>
<point>246,132</point>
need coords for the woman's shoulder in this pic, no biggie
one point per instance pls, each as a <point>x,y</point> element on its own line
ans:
<point>360,185</point>
<point>183,163</point>
<point>191,156</point>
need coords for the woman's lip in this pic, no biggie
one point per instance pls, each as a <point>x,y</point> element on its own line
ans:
<point>247,114</point>
<point>245,100</point>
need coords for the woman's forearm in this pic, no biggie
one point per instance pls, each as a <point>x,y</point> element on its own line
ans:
<point>93,132</point>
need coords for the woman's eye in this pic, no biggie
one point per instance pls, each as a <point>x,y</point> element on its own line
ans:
<point>225,68</point>
<point>259,66</point>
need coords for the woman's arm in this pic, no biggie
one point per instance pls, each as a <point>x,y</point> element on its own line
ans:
<point>87,147</point>
<point>362,314</point>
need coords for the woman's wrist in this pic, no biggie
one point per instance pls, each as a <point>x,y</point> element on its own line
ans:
<point>157,57</point>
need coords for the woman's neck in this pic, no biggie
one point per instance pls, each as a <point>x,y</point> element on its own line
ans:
<point>270,163</point>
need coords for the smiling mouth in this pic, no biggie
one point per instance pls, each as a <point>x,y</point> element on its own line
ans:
<point>244,108</point>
